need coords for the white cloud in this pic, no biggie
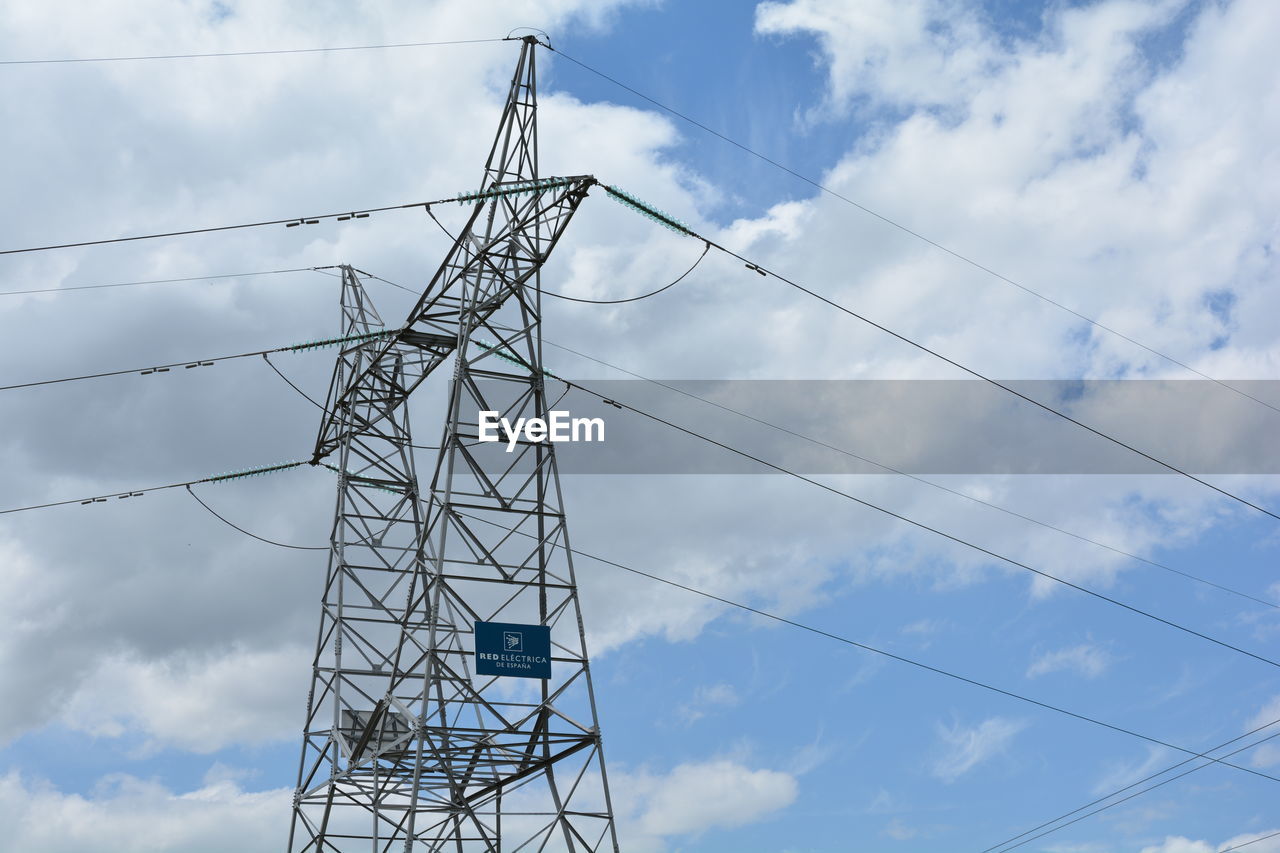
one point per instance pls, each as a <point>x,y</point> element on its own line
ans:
<point>1179,844</point>
<point>200,703</point>
<point>923,627</point>
<point>1268,754</point>
<point>967,747</point>
<point>1123,774</point>
<point>695,797</point>
<point>900,831</point>
<point>124,814</point>
<point>128,815</point>
<point>909,51</point>
<point>1267,714</point>
<point>707,699</point>
<point>1086,659</point>
<point>1265,756</point>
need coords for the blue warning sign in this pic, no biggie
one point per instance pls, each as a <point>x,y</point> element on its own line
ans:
<point>504,648</point>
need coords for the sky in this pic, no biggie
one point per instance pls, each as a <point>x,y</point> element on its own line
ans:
<point>1117,157</point>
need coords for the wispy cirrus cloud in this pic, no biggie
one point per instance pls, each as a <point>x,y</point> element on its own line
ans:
<point>1086,659</point>
<point>967,747</point>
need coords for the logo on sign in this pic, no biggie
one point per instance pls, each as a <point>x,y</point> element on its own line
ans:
<point>504,648</point>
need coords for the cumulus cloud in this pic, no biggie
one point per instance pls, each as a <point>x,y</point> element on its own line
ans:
<point>128,815</point>
<point>200,703</point>
<point>920,51</point>
<point>1257,841</point>
<point>967,747</point>
<point>698,796</point>
<point>124,814</point>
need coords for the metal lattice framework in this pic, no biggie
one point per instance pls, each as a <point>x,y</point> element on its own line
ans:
<point>405,748</point>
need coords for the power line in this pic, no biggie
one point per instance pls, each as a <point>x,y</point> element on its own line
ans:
<point>288,223</point>
<point>246,52</point>
<point>1007,388</point>
<point>679,227</point>
<point>884,653</point>
<point>1247,843</point>
<point>143,371</point>
<point>1003,849</point>
<point>205,362</point>
<point>157,281</point>
<point>898,225</point>
<point>137,493</point>
<point>706,248</point>
<point>918,479</point>
<point>289,382</point>
<point>921,525</point>
<point>386,281</point>
<point>215,514</point>
<point>315,403</point>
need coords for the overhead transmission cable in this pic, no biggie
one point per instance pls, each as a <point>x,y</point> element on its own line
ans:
<point>230,53</point>
<point>906,230</point>
<point>919,524</point>
<point>292,222</point>
<point>1002,848</point>
<point>883,652</point>
<point>676,225</point>
<point>205,362</point>
<point>321,407</point>
<point>232,524</point>
<point>918,479</point>
<point>706,248</point>
<point>137,493</point>
<point>289,382</point>
<point>472,197</point>
<point>1247,843</point>
<point>77,287</point>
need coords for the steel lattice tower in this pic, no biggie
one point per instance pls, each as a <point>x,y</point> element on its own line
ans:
<point>405,748</point>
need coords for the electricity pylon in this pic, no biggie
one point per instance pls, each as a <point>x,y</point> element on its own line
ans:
<point>406,747</point>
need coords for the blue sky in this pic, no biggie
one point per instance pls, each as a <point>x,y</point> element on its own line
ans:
<point>1113,155</point>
